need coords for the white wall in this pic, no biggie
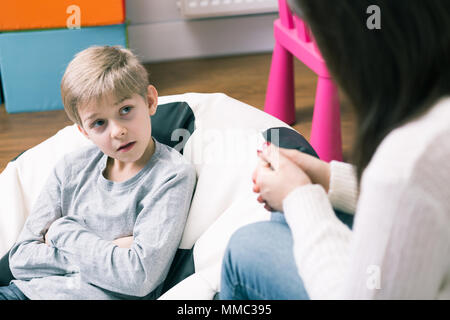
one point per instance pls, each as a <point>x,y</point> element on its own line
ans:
<point>158,32</point>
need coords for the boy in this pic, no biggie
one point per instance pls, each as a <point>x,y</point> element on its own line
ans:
<point>111,216</point>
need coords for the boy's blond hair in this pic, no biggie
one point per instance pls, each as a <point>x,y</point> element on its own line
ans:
<point>98,72</point>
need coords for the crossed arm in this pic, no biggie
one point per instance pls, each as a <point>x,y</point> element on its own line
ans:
<point>29,257</point>
<point>133,265</point>
<point>123,242</point>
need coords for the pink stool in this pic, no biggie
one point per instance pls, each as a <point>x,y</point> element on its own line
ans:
<point>292,37</point>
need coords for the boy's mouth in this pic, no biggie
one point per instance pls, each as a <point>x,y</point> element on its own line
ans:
<point>127,146</point>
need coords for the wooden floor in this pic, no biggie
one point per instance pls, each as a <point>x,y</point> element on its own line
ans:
<point>241,77</point>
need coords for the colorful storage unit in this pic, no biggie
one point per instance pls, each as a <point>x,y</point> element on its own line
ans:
<point>38,45</point>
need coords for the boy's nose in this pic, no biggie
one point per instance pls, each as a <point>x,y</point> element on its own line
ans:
<point>118,131</point>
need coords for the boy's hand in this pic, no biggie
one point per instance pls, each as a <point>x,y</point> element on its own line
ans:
<point>124,242</point>
<point>46,240</point>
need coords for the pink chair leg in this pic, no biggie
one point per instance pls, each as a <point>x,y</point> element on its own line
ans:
<point>280,99</point>
<point>326,124</point>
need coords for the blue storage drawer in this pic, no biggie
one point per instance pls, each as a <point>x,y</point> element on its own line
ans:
<point>32,63</point>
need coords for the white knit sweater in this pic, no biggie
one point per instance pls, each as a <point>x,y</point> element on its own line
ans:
<point>399,247</point>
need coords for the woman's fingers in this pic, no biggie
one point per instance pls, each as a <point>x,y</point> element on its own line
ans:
<point>317,170</point>
<point>270,154</point>
<point>261,164</point>
<point>300,158</point>
<point>305,161</point>
<point>260,199</point>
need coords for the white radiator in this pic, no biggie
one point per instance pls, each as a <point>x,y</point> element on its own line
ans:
<point>218,8</point>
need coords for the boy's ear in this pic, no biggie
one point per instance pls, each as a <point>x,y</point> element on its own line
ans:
<point>152,98</point>
<point>82,131</point>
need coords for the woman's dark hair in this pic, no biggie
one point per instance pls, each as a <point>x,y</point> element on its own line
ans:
<point>390,75</point>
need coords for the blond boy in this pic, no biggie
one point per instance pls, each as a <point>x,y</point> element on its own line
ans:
<point>111,216</point>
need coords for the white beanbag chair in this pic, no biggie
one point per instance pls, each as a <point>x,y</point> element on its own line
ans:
<point>221,140</point>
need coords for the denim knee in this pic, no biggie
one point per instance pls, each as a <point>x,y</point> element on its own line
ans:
<point>236,249</point>
<point>259,264</point>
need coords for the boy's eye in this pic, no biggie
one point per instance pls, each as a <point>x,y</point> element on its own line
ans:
<point>97,123</point>
<point>125,110</point>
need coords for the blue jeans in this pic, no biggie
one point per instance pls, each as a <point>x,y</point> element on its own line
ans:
<point>11,292</point>
<point>259,262</point>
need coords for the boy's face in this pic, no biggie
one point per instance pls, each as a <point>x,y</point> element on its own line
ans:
<point>121,129</point>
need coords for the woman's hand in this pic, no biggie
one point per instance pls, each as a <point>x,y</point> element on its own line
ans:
<point>124,242</point>
<point>317,170</point>
<point>275,177</point>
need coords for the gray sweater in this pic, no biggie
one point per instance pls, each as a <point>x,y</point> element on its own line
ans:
<point>82,213</point>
